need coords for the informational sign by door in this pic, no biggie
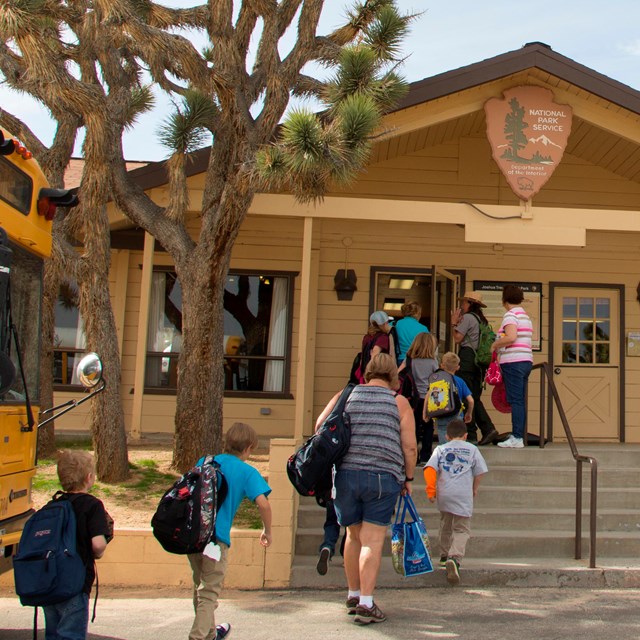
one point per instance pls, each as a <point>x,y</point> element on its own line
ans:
<point>492,297</point>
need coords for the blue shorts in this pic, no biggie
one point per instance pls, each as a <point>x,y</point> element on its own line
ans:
<point>365,496</point>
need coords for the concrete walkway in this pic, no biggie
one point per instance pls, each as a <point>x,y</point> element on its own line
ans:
<point>414,613</point>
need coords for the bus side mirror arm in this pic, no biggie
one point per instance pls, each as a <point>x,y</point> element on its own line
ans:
<point>71,404</point>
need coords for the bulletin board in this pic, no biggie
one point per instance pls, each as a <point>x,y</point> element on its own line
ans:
<point>492,297</point>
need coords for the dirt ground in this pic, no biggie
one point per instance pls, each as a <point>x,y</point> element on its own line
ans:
<point>132,503</point>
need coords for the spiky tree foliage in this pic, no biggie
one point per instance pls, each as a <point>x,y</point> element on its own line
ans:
<point>61,54</point>
<point>236,99</point>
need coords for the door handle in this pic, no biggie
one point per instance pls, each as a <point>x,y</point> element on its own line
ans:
<point>557,370</point>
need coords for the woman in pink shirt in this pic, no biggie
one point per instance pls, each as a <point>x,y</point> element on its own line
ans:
<point>516,360</point>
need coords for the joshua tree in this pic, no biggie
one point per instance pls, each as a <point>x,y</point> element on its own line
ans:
<point>240,111</point>
<point>231,96</point>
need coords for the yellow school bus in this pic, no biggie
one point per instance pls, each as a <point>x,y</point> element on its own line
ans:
<point>27,207</point>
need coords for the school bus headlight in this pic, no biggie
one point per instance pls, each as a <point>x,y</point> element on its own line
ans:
<point>49,199</point>
<point>6,146</point>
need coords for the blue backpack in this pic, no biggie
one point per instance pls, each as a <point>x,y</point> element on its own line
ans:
<point>47,568</point>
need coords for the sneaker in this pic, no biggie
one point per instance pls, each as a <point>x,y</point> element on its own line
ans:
<point>443,561</point>
<point>453,570</point>
<point>323,561</point>
<point>512,443</point>
<point>489,438</point>
<point>366,615</point>
<point>352,605</point>
<point>222,630</point>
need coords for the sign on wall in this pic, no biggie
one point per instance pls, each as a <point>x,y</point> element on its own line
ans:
<point>492,297</point>
<point>528,134</point>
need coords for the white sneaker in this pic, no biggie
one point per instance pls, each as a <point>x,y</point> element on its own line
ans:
<point>512,443</point>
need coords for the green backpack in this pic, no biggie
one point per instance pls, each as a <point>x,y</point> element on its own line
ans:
<point>487,338</point>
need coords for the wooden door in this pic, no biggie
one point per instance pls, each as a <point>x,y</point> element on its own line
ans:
<point>446,289</point>
<point>586,361</point>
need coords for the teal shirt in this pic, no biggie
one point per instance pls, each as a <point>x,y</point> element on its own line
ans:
<point>407,329</point>
<point>244,481</point>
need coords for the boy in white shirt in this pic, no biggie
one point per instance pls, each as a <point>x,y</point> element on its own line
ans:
<point>452,476</point>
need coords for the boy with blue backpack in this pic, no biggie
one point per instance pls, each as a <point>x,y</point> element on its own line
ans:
<point>208,567</point>
<point>49,534</point>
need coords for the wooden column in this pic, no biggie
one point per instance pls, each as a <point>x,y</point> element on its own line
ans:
<point>141,342</point>
<point>307,328</point>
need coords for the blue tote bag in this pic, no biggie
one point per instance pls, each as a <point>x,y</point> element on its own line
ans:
<point>409,541</point>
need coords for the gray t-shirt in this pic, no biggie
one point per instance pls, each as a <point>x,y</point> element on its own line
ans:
<point>469,327</point>
<point>422,368</point>
<point>456,462</point>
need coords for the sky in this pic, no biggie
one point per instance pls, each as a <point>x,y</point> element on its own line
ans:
<point>602,35</point>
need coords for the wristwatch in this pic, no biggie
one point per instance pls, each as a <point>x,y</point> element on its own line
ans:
<point>408,479</point>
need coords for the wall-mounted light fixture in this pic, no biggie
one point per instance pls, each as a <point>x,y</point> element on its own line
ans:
<point>345,279</point>
<point>344,283</point>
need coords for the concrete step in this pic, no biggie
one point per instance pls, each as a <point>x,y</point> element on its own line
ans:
<point>509,544</point>
<point>535,497</point>
<point>533,571</point>
<point>312,518</point>
<point>608,455</point>
<point>507,476</point>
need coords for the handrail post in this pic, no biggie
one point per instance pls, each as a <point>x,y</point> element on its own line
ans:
<point>550,406</point>
<point>593,514</point>
<point>578,541</point>
<point>543,399</point>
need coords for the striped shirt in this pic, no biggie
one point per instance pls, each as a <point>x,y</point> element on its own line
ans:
<point>520,350</point>
<point>375,432</point>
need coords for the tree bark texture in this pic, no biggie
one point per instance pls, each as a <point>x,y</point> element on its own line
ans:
<point>51,284</point>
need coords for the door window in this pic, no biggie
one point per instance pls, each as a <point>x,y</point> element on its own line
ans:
<point>586,330</point>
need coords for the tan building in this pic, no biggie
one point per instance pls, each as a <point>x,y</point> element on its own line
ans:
<point>431,215</point>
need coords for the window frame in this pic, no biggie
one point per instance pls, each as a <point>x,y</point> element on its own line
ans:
<point>285,394</point>
<point>74,351</point>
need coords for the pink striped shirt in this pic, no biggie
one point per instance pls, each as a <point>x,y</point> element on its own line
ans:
<point>520,350</point>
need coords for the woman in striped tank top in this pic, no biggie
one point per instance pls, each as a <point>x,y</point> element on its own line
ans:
<point>377,468</point>
<point>516,360</point>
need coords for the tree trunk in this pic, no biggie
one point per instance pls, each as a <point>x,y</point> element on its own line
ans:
<point>107,417</point>
<point>200,368</point>
<point>51,284</point>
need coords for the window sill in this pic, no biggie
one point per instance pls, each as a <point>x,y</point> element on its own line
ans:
<point>267,395</point>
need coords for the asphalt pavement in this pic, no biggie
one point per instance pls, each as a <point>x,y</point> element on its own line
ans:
<point>470,613</point>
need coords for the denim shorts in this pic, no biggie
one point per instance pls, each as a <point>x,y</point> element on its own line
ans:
<point>365,496</point>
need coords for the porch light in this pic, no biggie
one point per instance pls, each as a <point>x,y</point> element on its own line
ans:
<point>344,283</point>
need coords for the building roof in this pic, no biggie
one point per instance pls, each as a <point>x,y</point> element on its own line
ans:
<point>531,55</point>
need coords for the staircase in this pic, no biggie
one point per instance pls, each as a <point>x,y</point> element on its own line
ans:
<point>524,515</point>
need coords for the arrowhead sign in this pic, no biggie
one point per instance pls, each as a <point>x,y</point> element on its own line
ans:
<point>528,134</point>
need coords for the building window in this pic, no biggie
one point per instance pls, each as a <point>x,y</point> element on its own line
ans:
<point>256,340</point>
<point>69,339</point>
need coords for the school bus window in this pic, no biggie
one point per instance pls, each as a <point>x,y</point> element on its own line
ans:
<point>16,187</point>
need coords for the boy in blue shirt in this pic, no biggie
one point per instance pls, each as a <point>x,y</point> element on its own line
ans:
<point>243,481</point>
<point>451,363</point>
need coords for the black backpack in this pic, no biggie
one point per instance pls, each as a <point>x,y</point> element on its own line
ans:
<point>47,568</point>
<point>310,469</point>
<point>408,387</point>
<point>396,345</point>
<point>354,374</point>
<point>185,519</point>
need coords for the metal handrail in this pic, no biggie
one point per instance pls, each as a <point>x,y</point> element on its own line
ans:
<point>546,414</point>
